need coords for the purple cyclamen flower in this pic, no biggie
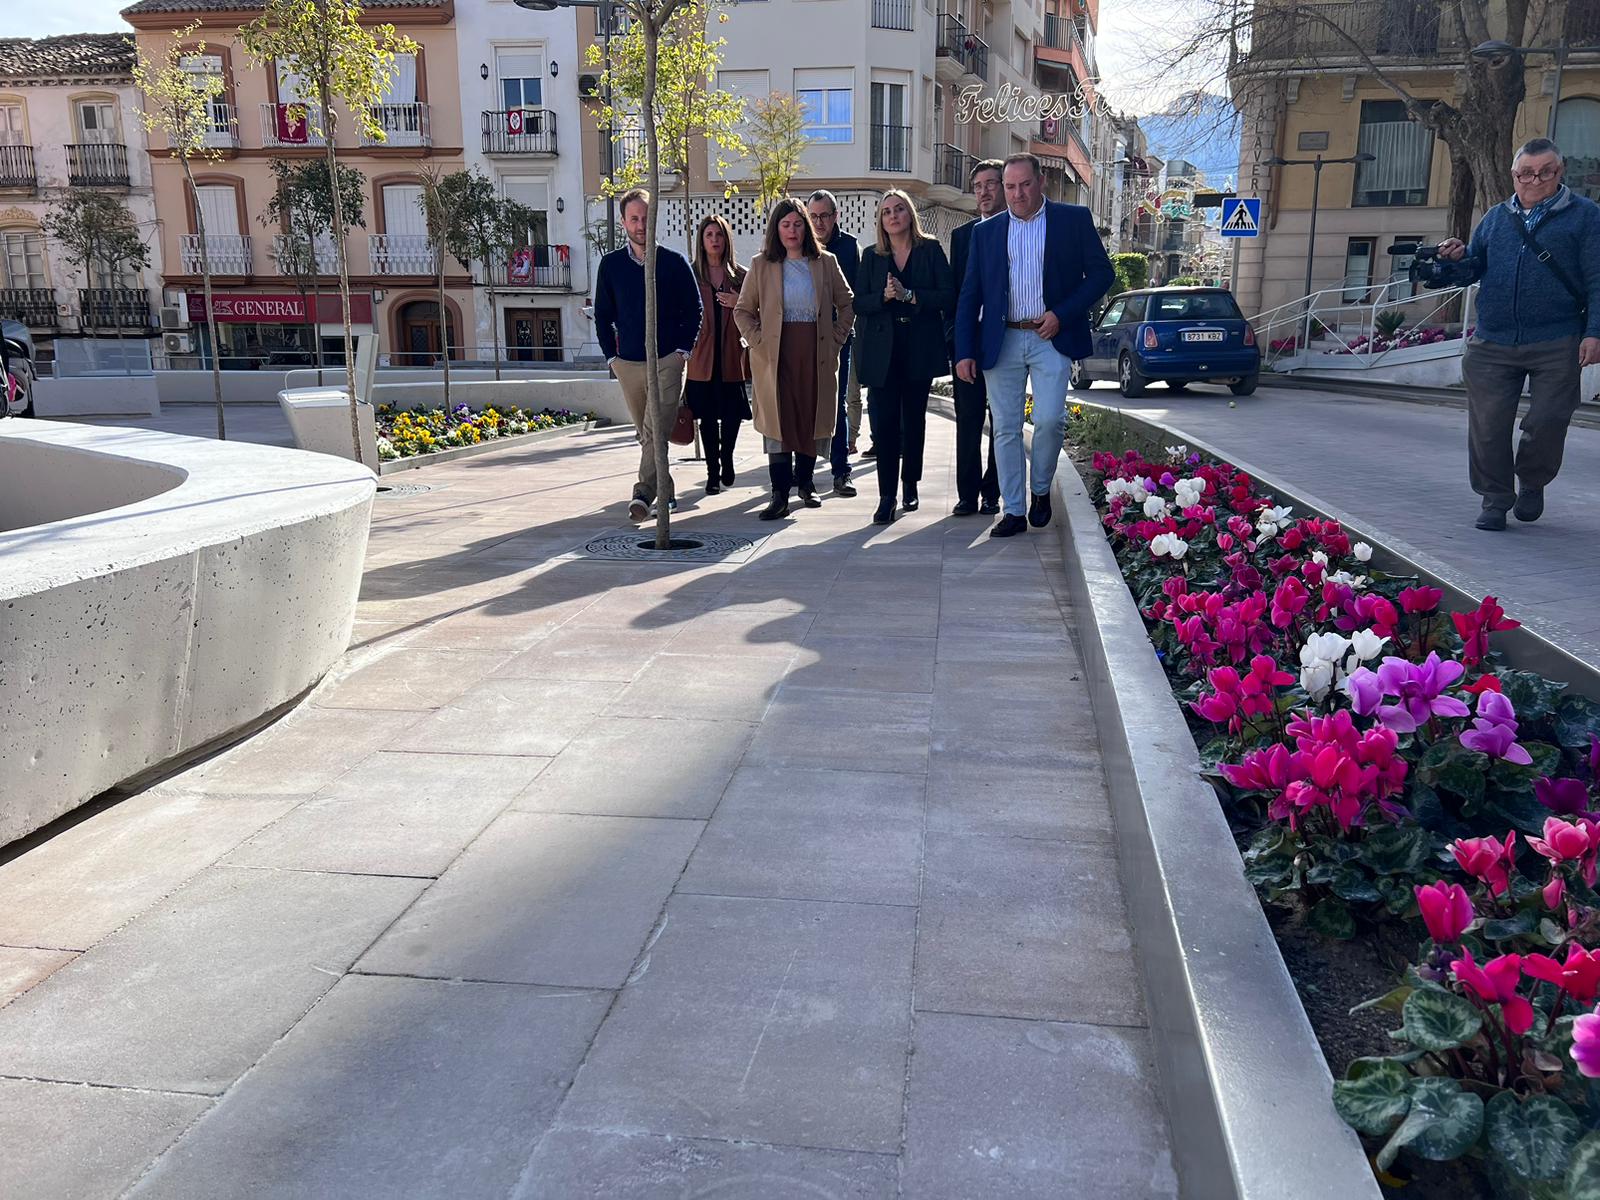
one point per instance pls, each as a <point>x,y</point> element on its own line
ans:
<point>1496,709</point>
<point>1594,757</point>
<point>1419,692</point>
<point>1497,741</point>
<point>1168,479</point>
<point>1366,693</point>
<point>1566,797</point>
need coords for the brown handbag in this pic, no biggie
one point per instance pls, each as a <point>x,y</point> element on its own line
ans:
<point>683,428</point>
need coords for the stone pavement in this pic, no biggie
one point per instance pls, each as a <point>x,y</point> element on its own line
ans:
<point>1401,469</point>
<point>786,878</point>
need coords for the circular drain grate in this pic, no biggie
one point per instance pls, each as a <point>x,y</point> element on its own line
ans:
<point>640,546</point>
<point>398,491</point>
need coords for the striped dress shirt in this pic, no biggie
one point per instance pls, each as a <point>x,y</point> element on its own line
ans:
<point>1025,249</point>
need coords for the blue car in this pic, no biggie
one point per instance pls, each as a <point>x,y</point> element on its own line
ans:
<point>1178,335</point>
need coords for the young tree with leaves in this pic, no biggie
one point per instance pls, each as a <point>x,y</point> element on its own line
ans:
<point>97,233</point>
<point>480,225</point>
<point>441,208</point>
<point>775,139</point>
<point>302,208</point>
<point>323,43</point>
<point>178,106</point>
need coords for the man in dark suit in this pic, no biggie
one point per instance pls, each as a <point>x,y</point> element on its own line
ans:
<point>974,477</point>
<point>1034,272</point>
<point>824,212</point>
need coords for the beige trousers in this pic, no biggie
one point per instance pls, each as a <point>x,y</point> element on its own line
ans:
<point>631,375</point>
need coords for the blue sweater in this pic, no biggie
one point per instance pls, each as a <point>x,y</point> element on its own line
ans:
<point>619,305</point>
<point>1521,301</point>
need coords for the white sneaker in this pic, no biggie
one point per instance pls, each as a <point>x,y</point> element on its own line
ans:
<point>638,510</point>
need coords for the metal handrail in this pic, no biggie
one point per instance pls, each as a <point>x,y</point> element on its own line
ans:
<point>1299,314</point>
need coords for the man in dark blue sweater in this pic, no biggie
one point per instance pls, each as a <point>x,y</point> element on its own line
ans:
<point>619,326</point>
<point>824,212</point>
<point>1531,327</point>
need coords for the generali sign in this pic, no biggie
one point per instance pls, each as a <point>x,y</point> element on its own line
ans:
<point>287,309</point>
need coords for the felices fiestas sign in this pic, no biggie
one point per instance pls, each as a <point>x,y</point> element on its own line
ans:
<point>289,309</point>
<point>1011,104</point>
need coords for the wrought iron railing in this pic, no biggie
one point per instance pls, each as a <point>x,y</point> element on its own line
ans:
<point>286,126</point>
<point>401,254</point>
<point>97,164</point>
<point>115,308</point>
<point>400,125</point>
<point>951,166</point>
<point>16,167</point>
<point>1387,29</point>
<point>519,131</point>
<point>537,266</point>
<point>621,149</point>
<point>34,307</point>
<point>890,148</point>
<point>226,253</point>
<point>959,43</point>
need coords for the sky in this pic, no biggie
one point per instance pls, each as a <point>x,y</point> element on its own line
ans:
<point>29,18</point>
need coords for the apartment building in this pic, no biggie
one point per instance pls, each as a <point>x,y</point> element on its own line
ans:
<point>1305,92</point>
<point>521,73</point>
<point>262,320</point>
<point>68,119</point>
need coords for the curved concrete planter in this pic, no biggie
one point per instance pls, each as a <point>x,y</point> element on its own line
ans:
<point>1246,1087</point>
<point>160,593</point>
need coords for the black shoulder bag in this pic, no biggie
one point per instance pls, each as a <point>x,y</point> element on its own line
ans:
<point>1556,268</point>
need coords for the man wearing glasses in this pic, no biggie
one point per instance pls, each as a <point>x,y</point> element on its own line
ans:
<point>1537,259</point>
<point>824,212</point>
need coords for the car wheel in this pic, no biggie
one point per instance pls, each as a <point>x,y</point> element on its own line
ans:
<point>1244,387</point>
<point>1177,385</point>
<point>1080,378</point>
<point>1129,378</point>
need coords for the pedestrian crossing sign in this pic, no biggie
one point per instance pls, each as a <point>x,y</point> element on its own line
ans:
<point>1241,216</point>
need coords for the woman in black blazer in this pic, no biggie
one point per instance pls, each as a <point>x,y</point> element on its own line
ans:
<point>903,290</point>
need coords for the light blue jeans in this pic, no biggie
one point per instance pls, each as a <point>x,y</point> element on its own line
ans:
<point>1024,355</point>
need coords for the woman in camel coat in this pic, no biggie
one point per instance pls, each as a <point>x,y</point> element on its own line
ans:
<point>795,311</point>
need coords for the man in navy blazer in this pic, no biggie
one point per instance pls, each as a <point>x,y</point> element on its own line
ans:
<point>1035,271</point>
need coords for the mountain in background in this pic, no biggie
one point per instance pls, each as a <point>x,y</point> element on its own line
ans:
<point>1202,128</point>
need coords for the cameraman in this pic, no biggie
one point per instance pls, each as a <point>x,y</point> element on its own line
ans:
<point>1537,257</point>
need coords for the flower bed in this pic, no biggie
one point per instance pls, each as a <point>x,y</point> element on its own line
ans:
<point>1400,795</point>
<point>1400,340</point>
<point>406,433</point>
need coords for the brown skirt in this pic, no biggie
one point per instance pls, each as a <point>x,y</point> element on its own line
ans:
<point>797,387</point>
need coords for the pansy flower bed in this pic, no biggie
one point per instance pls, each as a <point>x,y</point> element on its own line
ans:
<point>1396,787</point>
<point>405,433</point>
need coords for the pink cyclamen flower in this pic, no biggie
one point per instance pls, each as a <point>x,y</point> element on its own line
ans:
<point>1446,910</point>
<point>1488,860</point>
<point>1564,841</point>
<point>1495,982</point>
<point>1553,892</point>
<point>1586,1045</point>
<point>1578,976</point>
<point>1418,600</point>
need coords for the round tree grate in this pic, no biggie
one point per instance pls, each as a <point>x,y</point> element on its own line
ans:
<point>637,545</point>
<point>398,491</point>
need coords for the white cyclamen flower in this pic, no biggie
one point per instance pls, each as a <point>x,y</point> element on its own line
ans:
<point>1189,492</point>
<point>1362,551</point>
<point>1318,557</point>
<point>1155,508</point>
<point>1165,544</point>
<point>1366,645</point>
<point>1177,452</point>
<point>1319,662</point>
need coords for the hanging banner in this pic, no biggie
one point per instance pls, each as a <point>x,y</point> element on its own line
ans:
<point>293,128</point>
<point>515,118</point>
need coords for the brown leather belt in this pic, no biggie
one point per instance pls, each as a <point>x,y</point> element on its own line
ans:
<point>1022,324</point>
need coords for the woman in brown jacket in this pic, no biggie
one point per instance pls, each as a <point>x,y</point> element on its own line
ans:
<point>795,311</point>
<point>714,387</point>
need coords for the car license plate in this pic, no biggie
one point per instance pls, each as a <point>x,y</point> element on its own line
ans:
<point>1202,335</point>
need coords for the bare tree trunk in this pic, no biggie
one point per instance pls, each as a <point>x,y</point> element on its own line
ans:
<point>652,299</point>
<point>342,258</point>
<point>211,316</point>
<point>444,325</point>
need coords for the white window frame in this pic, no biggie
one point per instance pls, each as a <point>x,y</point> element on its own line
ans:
<point>828,83</point>
<point>28,242</point>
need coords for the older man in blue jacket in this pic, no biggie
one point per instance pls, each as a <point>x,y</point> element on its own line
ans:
<point>1537,257</point>
<point>1033,274</point>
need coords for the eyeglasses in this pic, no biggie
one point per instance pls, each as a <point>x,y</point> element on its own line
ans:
<point>1543,176</point>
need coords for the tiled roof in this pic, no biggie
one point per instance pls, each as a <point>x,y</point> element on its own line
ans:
<point>200,6</point>
<point>70,54</point>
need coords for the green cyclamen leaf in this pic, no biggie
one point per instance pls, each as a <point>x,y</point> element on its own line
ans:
<point>1433,1019</point>
<point>1535,1137</point>
<point>1442,1123</point>
<point>1374,1100</point>
<point>1583,1171</point>
<point>1332,919</point>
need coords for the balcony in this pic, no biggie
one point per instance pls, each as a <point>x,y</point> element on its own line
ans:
<point>1581,25</point>
<point>1331,33</point>
<point>227,253</point>
<point>519,131</point>
<point>892,14</point>
<point>114,308</point>
<point>959,45</point>
<point>293,258</point>
<point>16,167</point>
<point>951,166</point>
<point>34,307</point>
<point>540,266</point>
<point>401,254</point>
<point>399,125</point>
<point>97,164</point>
<point>616,152</point>
<point>1064,132</point>
<point>890,148</point>
<point>222,131</point>
<point>1062,33</point>
<point>289,126</point>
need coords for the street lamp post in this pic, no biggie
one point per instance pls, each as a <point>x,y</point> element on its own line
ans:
<point>1316,164</point>
<point>604,14</point>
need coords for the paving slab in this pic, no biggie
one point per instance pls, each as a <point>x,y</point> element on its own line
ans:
<point>1020,927</point>
<point>776,1021</point>
<point>300,754</point>
<point>67,1141</point>
<point>512,716</point>
<point>589,653</point>
<point>392,1087</point>
<point>93,877</point>
<point>1030,1109</point>
<point>635,1166</point>
<point>654,767</point>
<point>542,898</point>
<point>742,631</point>
<point>23,966</point>
<point>396,813</point>
<point>865,664</point>
<point>410,678</point>
<point>813,835</point>
<point>991,796</point>
<point>844,729</point>
<point>201,984</point>
<point>708,686</point>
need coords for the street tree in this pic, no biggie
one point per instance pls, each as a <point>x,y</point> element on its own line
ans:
<point>178,106</point>
<point>324,44</point>
<point>301,208</point>
<point>480,225</point>
<point>441,209</point>
<point>775,139</point>
<point>98,234</point>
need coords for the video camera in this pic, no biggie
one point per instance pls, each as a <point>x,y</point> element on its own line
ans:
<point>1431,271</point>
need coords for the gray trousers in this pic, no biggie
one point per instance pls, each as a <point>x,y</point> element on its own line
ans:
<point>1494,375</point>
